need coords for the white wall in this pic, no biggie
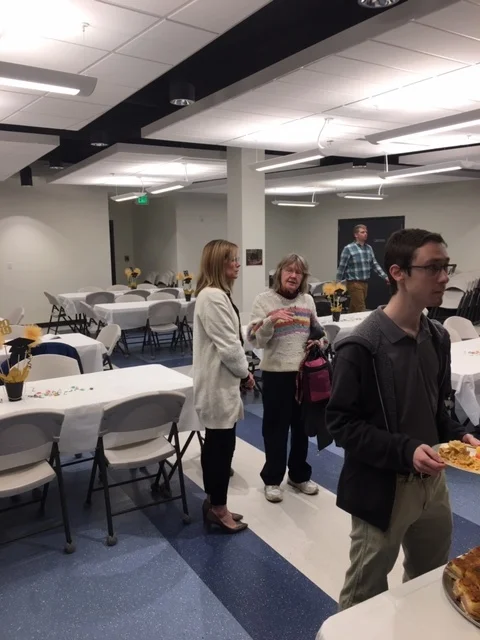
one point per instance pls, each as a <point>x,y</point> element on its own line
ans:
<point>171,232</point>
<point>450,209</point>
<point>52,238</point>
<point>154,236</point>
<point>122,215</point>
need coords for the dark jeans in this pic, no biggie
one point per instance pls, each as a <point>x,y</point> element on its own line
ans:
<point>282,413</point>
<point>217,454</point>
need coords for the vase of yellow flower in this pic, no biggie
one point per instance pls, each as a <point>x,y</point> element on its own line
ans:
<point>19,359</point>
<point>132,275</point>
<point>186,279</point>
<point>335,292</point>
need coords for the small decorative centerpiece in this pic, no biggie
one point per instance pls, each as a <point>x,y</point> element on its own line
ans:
<point>17,366</point>
<point>186,279</point>
<point>335,292</point>
<point>132,275</point>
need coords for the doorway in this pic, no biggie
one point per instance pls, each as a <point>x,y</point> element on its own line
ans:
<point>112,251</point>
<point>379,230</point>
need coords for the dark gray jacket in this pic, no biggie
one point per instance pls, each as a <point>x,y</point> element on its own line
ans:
<point>362,418</point>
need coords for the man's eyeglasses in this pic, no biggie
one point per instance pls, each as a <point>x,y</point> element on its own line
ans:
<point>435,269</point>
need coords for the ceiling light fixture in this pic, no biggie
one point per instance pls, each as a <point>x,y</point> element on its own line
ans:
<point>377,4</point>
<point>441,167</point>
<point>182,94</point>
<point>362,196</point>
<point>288,160</point>
<point>172,186</point>
<point>99,139</point>
<point>25,77</point>
<point>294,203</point>
<point>440,125</point>
<point>123,197</point>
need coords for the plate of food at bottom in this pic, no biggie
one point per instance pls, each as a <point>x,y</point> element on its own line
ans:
<point>459,455</point>
<point>461,583</point>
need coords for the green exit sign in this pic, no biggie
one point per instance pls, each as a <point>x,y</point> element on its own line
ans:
<point>143,199</point>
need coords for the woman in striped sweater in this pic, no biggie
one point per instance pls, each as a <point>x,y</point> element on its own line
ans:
<point>281,322</point>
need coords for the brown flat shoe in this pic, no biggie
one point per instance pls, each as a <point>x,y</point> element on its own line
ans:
<point>207,506</point>
<point>211,519</point>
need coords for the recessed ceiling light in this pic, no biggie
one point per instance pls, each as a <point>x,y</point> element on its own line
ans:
<point>182,94</point>
<point>377,4</point>
<point>46,80</point>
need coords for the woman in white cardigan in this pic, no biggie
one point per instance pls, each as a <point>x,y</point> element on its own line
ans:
<point>219,369</point>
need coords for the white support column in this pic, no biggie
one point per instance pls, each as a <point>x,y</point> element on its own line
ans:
<point>246,220</point>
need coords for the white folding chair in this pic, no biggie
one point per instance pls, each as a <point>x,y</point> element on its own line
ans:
<point>160,295</point>
<point>163,318</point>
<point>16,316</point>
<point>118,287</point>
<point>140,293</point>
<point>462,326</point>
<point>175,292</point>
<point>454,335</point>
<point>123,422</point>
<point>88,315</point>
<point>100,297</point>
<point>29,459</point>
<point>57,312</point>
<point>109,337</point>
<point>89,289</point>
<point>47,366</point>
<point>185,333</point>
<point>130,298</point>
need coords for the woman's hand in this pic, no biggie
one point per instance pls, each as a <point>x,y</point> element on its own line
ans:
<point>322,343</point>
<point>281,315</point>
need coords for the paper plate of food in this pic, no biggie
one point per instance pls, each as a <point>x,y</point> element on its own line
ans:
<point>461,583</point>
<point>459,455</point>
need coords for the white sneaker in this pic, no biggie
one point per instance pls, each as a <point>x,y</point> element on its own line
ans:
<point>273,493</point>
<point>309,487</point>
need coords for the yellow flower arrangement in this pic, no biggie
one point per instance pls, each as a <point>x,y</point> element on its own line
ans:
<point>186,279</point>
<point>335,294</point>
<point>132,275</point>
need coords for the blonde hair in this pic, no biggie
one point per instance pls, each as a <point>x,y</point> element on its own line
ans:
<point>287,261</point>
<point>212,265</point>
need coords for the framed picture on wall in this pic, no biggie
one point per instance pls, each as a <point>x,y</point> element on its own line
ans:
<point>254,258</point>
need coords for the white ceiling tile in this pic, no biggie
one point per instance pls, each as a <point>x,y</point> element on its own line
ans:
<point>17,152</point>
<point>462,18</point>
<point>258,120</point>
<point>11,102</point>
<point>105,93</point>
<point>251,104</point>
<point>65,108</point>
<point>364,71</point>
<point>109,26</point>
<point>433,41</point>
<point>298,103</point>
<point>365,110</point>
<point>50,54</point>
<point>119,69</point>
<point>26,119</point>
<point>168,42</point>
<point>159,8</point>
<point>324,82</point>
<point>401,58</point>
<point>323,99</point>
<point>217,15</point>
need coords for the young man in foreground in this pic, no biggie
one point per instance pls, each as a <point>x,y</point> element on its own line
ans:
<point>387,410</point>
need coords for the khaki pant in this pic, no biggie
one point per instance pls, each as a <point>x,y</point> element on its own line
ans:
<point>421,523</point>
<point>357,290</point>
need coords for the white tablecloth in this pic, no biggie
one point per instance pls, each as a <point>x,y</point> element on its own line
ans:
<point>69,301</point>
<point>130,315</point>
<point>90,351</point>
<point>466,377</point>
<point>347,322</point>
<point>83,397</point>
<point>417,610</point>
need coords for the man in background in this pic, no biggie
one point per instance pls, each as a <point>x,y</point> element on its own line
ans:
<point>356,264</point>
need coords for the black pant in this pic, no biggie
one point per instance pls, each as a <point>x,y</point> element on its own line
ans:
<point>217,454</point>
<point>280,413</point>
